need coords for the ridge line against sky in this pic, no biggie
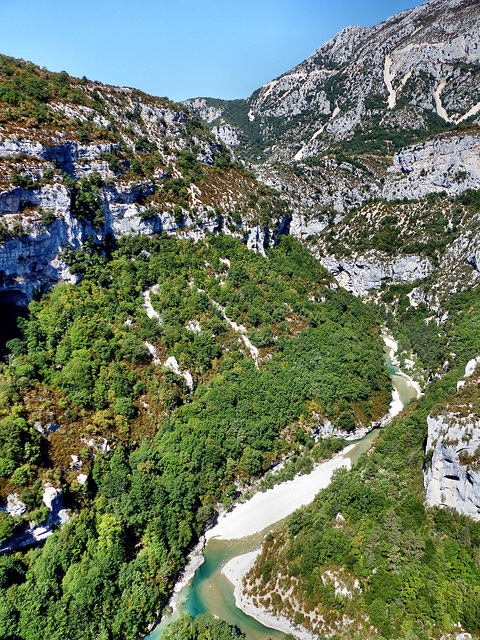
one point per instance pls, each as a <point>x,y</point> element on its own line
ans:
<point>181,49</point>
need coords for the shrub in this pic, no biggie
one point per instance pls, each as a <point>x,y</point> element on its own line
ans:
<point>87,206</point>
<point>48,217</point>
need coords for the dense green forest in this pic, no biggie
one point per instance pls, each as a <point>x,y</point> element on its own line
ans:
<point>415,571</point>
<point>80,360</point>
<point>204,627</point>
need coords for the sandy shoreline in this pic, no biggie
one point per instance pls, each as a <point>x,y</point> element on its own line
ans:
<point>412,382</point>
<point>391,343</point>
<point>265,509</point>
<point>397,405</point>
<point>234,571</point>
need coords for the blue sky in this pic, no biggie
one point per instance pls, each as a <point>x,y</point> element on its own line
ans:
<point>180,48</point>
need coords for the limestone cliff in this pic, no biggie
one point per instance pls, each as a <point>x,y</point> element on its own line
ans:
<point>446,163</point>
<point>452,473</point>
<point>95,161</point>
<point>390,111</point>
<point>361,274</point>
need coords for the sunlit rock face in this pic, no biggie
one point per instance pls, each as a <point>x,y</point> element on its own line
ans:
<point>450,165</point>
<point>364,273</point>
<point>452,472</point>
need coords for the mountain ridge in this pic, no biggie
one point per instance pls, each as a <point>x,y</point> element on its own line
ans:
<point>370,48</point>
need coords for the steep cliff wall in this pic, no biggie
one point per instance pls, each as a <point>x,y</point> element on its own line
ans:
<point>361,274</point>
<point>115,162</point>
<point>452,475</point>
<point>450,164</point>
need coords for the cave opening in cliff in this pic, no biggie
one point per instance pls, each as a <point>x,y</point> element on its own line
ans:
<point>13,305</point>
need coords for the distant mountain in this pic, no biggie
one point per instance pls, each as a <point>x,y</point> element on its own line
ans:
<point>378,88</point>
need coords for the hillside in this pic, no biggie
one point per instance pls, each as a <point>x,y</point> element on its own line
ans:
<point>79,159</point>
<point>375,145</point>
<point>384,87</point>
<point>193,292</point>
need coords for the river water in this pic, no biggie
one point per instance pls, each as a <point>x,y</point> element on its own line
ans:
<point>210,591</point>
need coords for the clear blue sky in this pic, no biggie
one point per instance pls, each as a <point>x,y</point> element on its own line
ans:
<point>180,48</point>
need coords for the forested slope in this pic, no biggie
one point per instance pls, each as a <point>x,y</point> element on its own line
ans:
<point>369,558</point>
<point>82,362</point>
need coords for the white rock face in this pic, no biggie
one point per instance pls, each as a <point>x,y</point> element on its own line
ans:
<point>33,261</point>
<point>57,516</point>
<point>364,273</point>
<point>172,364</point>
<point>448,480</point>
<point>153,352</point>
<point>15,507</point>
<point>76,463</point>
<point>471,366</point>
<point>301,228</point>
<point>194,325</point>
<point>256,240</point>
<point>67,154</point>
<point>207,112</point>
<point>102,446</point>
<point>229,134</point>
<point>450,164</point>
<point>147,305</point>
<point>242,332</point>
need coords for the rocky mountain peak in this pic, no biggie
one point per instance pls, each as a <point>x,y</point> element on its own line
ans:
<point>417,71</point>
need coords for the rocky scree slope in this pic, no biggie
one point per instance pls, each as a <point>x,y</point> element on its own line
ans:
<point>82,160</point>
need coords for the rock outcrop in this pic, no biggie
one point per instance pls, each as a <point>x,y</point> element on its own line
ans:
<point>450,164</point>
<point>333,122</point>
<point>142,185</point>
<point>33,533</point>
<point>361,274</point>
<point>33,262</point>
<point>452,473</point>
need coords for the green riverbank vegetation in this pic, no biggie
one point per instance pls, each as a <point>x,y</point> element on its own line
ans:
<point>81,371</point>
<point>368,558</point>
